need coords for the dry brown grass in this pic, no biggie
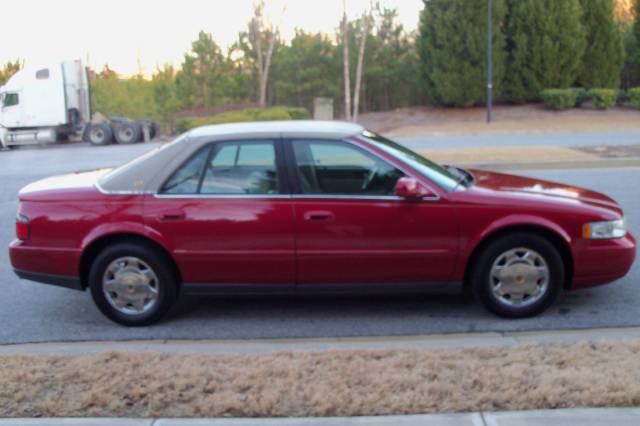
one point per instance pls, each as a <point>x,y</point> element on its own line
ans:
<point>321,384</point>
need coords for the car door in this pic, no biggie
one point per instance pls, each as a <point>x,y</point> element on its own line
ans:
<point>227,215</point>
<point>351,228</point>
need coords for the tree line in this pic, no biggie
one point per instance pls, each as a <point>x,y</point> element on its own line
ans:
<point>538,44</point>
<point>372,63</point>
<point>262,69</point>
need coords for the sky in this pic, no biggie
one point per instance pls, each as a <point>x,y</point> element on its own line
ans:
<point>139,35</point>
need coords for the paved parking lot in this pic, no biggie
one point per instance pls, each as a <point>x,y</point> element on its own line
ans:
<point>33,312</point>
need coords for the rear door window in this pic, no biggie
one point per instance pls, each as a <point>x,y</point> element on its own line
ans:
<point>233,168</point>
<point>186,180</point>
<point>242,168</point>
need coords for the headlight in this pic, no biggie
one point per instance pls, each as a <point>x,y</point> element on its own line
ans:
<point>604,230</point>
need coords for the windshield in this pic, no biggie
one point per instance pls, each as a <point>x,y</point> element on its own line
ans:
<point>437,174</point>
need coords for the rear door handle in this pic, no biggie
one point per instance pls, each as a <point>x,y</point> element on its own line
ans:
<point>319,216</point>
<point>173,216</point>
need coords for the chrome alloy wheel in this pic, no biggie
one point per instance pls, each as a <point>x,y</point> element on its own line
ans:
<point>519,277</point>
<point>130,285</point>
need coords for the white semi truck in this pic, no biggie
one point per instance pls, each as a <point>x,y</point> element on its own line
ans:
<point>48,104</point>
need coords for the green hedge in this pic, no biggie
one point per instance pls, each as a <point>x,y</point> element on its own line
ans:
<point>634,97</point>
<point>246,115</point>
<point>560,99</point>
<point>582,95</point>
<point>603,98</point>
<point>622,97</point>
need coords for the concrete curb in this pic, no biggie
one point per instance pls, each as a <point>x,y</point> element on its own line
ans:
<point>572,416</point>
<point>439,341</point>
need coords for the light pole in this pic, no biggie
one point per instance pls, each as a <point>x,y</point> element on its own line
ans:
<point>489,59</point>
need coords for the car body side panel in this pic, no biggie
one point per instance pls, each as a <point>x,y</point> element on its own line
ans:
<point>594,262</point>
<point>377,241</point>
<point>61,230</point>
<point>226,240</point>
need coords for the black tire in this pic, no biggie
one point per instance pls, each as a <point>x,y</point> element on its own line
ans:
<point>127,132</point>
<point>482,282</point>
<point>99,134</point>
<point>166,283</point>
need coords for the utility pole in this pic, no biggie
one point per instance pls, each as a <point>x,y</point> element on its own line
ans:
<point>489,59</point>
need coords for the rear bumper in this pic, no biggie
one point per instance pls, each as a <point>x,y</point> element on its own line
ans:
<point>604,261</point>
<point>46,265</point>
<point>57,280</point>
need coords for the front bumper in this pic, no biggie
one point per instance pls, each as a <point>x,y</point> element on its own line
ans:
<point>598,262</point>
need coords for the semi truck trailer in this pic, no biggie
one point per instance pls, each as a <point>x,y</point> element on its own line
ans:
<point>45,105</point>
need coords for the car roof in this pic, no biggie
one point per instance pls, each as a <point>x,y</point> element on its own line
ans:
<point>299,128</point>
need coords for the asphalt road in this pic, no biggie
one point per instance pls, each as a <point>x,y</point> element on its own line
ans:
<point>31,312</point>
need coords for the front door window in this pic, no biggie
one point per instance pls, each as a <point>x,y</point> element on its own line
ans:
<point>339,168</point>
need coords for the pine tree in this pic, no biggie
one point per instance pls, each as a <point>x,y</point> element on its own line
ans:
<point>633,48</point>
<point>604,57</point>
<point>546,42</point>
<point>452,44</point>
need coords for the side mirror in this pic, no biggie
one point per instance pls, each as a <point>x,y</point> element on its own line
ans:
<point>408,187</point>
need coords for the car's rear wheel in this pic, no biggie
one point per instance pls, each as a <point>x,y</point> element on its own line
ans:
<point>132,285</point>
<point>518,275</point>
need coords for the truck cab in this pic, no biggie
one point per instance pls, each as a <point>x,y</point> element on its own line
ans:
<point>40,104</point>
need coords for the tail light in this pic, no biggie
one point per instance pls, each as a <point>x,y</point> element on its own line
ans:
<point>22,227</point>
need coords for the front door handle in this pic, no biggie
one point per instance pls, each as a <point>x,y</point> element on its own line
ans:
<point>319,216</point>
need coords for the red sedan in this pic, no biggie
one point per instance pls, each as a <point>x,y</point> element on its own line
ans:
<point>298,207</point>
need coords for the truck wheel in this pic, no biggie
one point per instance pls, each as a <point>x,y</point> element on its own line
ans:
<point>99,134</point>
<point>127,132</point>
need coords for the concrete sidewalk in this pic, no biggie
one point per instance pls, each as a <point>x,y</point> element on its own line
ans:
<point>256,346</point>
<point>579,416</point>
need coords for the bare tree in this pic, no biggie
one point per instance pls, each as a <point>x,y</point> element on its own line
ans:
<point>366,23</point>
<point>345,63</point>
<point>263,58</point>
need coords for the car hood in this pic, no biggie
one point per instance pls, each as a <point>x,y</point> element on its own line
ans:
<point>520,185</point>
<point>64,187</point>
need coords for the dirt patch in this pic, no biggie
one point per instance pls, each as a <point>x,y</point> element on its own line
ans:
<point>508,155</point>
<point>331,383</point>
<point>421,121</point>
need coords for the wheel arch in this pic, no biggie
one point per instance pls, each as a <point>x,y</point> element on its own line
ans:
<point>558,240</point>
<point>96,246</point>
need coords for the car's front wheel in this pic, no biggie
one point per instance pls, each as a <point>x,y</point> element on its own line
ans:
<point>131,284</point>
<point>518,275</point>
